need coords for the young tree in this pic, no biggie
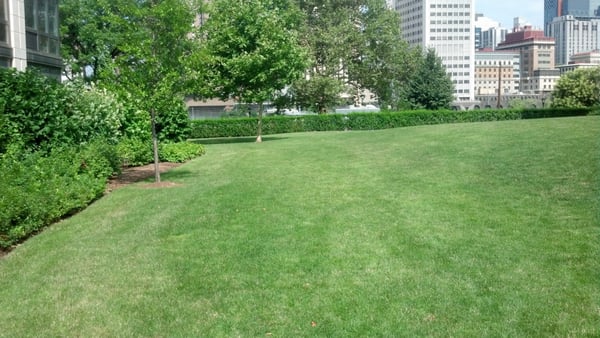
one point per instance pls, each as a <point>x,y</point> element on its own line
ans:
<point>430,87</point>
<point>250,51</point>
<point>149,63</point>
<point>576,89</point>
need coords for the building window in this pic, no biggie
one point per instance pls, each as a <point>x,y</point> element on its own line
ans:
<point>3,22</point>
<point>41,19</point>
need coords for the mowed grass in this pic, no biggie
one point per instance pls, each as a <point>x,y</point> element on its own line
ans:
<point>464,230</point>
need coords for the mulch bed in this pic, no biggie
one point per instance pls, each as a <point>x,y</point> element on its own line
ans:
<point>131,175</point>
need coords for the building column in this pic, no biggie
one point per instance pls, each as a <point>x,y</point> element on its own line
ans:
<point>16,21</point>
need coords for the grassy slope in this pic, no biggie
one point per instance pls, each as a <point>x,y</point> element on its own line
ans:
<point>487,229</point>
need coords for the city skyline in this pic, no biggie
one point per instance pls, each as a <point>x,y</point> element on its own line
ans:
<point>505,11</point>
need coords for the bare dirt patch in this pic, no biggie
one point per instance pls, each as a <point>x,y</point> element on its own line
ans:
<point>131,175</point>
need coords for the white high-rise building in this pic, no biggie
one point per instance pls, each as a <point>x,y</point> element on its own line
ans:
<point>488,33</point>
<point>574,35</point>
<point>448,27</point>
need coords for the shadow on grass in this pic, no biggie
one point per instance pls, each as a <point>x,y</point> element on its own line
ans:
<point>225,140</point>
<point>178,174</point>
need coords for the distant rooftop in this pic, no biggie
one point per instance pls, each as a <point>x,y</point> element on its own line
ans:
<point>526,33</point>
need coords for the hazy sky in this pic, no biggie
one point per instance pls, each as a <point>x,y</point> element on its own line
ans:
<point>504,11</point>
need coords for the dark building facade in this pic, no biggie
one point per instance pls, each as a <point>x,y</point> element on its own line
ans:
<point>29,35</point>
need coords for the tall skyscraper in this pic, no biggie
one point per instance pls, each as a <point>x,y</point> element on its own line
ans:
<point>574,26</point>
<point>448,27</point>
<point>574,35</point>
<point>580,8</point>
<point>576,8</point>
<point>552,9</point>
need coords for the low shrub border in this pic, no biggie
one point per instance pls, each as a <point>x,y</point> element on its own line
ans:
<point>235,127</point>
<point>39,188</point>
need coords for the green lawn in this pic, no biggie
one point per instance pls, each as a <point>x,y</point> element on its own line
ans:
<point>464,230</point>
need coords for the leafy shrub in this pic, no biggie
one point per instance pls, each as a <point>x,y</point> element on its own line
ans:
<point>40,113</point>
<point>224,127</point>
<point>136,122</point>
<point>134,151</point>
<point>95,113</point>
<point>33,109</point>
<point>555,112</point>
<point>100,159</point>
<point>324,122</point>
<point>39,188</point>
<point>367,121</point>
<point>173,121</point>
<point>180,152</point>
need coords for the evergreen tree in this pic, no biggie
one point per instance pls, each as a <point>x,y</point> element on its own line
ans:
<point>430,87</point>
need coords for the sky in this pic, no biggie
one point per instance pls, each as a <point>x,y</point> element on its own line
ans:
<point>504,11</point>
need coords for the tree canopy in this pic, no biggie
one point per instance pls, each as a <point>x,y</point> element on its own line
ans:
<point>577,89</point>
<point>250,51</point>
<point>357,46</point>
<point>430,87</point>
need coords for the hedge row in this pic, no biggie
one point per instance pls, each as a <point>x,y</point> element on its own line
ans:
<point>39,188</point>
<point>234,127</point>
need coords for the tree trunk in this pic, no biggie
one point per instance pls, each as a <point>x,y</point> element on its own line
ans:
<point>155,146</point>
<point>260,114</point>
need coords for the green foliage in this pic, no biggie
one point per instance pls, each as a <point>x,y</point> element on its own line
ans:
<point>95,113</point>
<point>576,89</point>
<point>90,36</point>
<point>173,124</point>
<point>381,62</point>
<point>134,151</point>
<point>250,51</point>
<point>318,93</point>
<point>40,113</point>
<point>368,121</point>
<point>180,152</point>
<point>521,103</point>
<point>136,122</point>
<point>135,50</point>
<point>40,188</point>
<point>430,87</point>
<point>533,113</point>
<point>356,43</point>
<point>224,127</point>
